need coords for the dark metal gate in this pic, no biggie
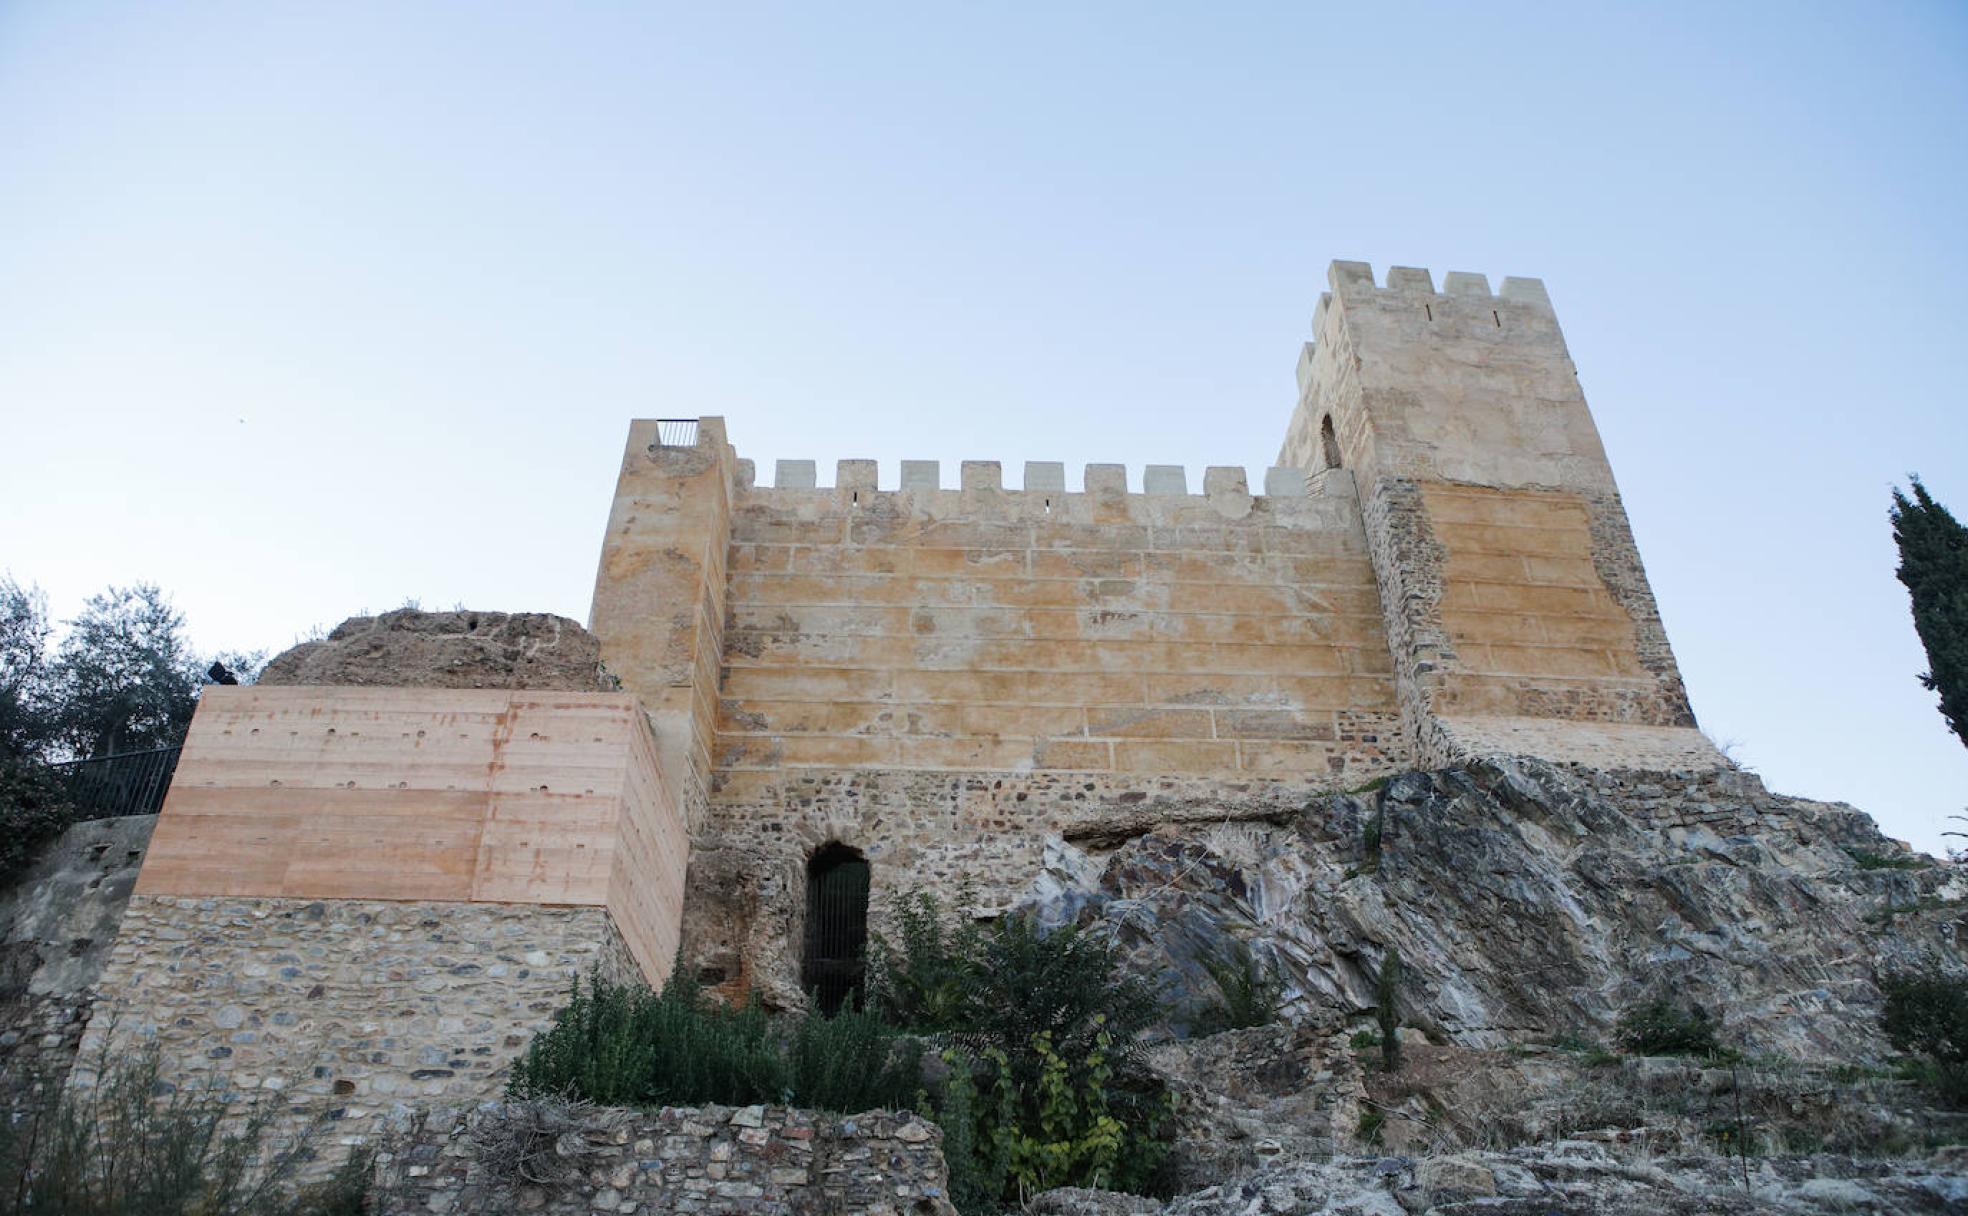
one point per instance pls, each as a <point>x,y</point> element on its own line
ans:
<point>835,959</point>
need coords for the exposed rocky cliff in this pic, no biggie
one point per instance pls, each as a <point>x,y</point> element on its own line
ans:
<point>57,924</point>
<point>412,648</point>
<point>1532,906</point>
<point>1531,902</point>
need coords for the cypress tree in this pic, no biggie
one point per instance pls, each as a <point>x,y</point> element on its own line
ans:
<point>1934,567</point>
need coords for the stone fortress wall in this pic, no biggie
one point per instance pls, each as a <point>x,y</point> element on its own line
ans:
<point>961,682</point>
<point>975,687</point>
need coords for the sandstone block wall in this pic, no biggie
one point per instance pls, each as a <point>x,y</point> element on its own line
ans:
<point>1002,630</point>
<point>711,1159</point>
<point>660,591</point>
<point>1517,610</point>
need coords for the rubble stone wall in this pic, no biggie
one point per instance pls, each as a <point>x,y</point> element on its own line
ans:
<point>352,1006</point>
<point>731,1161</point>
<point>977,841</point>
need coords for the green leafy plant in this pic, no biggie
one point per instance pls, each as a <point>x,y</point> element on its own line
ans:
<point>33,811</point>
<point>1926,1013</point>
<point>1249,992</point>
<point>623,1045</point>
<point>1663,1027</point>
<point>1372,1122</point>
<point>1044,1029</point>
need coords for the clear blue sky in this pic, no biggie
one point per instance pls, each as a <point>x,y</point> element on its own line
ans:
<point>310,309</point>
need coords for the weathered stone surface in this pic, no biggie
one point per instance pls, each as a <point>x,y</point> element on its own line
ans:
<point>411,648</point>
<point>57,924</point>
<point>1252,1098</point>
<point>710,1159</point>
<point>1530,902</point>
<point>1566,1177</point>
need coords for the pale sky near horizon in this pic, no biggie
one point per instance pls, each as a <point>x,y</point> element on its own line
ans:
<point>309,309</point>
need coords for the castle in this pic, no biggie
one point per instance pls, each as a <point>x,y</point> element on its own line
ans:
<point>369,894</point>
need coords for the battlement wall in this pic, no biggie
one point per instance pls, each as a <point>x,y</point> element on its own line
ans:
<point>1099,630</point>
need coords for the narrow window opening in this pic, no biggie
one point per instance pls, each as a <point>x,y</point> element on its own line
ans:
<point>835,961</point>
<point>1430,310</point>
<point>1497,319</point>
<point>1328,443</point>
<point>855,497</point>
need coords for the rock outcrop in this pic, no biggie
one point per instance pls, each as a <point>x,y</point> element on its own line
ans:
<point>57,924</point>
<point>413,649</point>
<point>1531,902</point>
<point>1566,1177</point>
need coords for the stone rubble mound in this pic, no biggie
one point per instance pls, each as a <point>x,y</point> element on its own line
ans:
<point>410,648</point>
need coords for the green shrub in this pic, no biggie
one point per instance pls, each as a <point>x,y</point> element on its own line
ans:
<point>854,1061</point>
<point>627,1046</point>
<point>1387,1010</point>
<point>1661,1027</point>
<point>1372,1122</point>
<point>1046,1077</point>
<point>1866,860</point>
<point>1249,992</point>
<point>1370,837</point>
<point>623,1045</point>
<point>130,1145</point>
<point>1926,1013</point>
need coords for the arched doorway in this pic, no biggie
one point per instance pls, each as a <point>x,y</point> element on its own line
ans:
<point>1328,443</point>
<point>835,959</point>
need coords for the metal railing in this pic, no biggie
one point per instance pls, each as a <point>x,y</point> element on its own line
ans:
<point>676,432</point>
<point>129,783</point>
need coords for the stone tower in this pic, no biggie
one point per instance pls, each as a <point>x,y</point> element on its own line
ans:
<point>1518,616</point>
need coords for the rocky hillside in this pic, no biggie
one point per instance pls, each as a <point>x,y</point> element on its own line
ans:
<point>1533,907</point>
<point>1532,903</point>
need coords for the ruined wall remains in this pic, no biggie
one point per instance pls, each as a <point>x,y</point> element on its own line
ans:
<point>711,1159</point>
<point>410,648</point>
